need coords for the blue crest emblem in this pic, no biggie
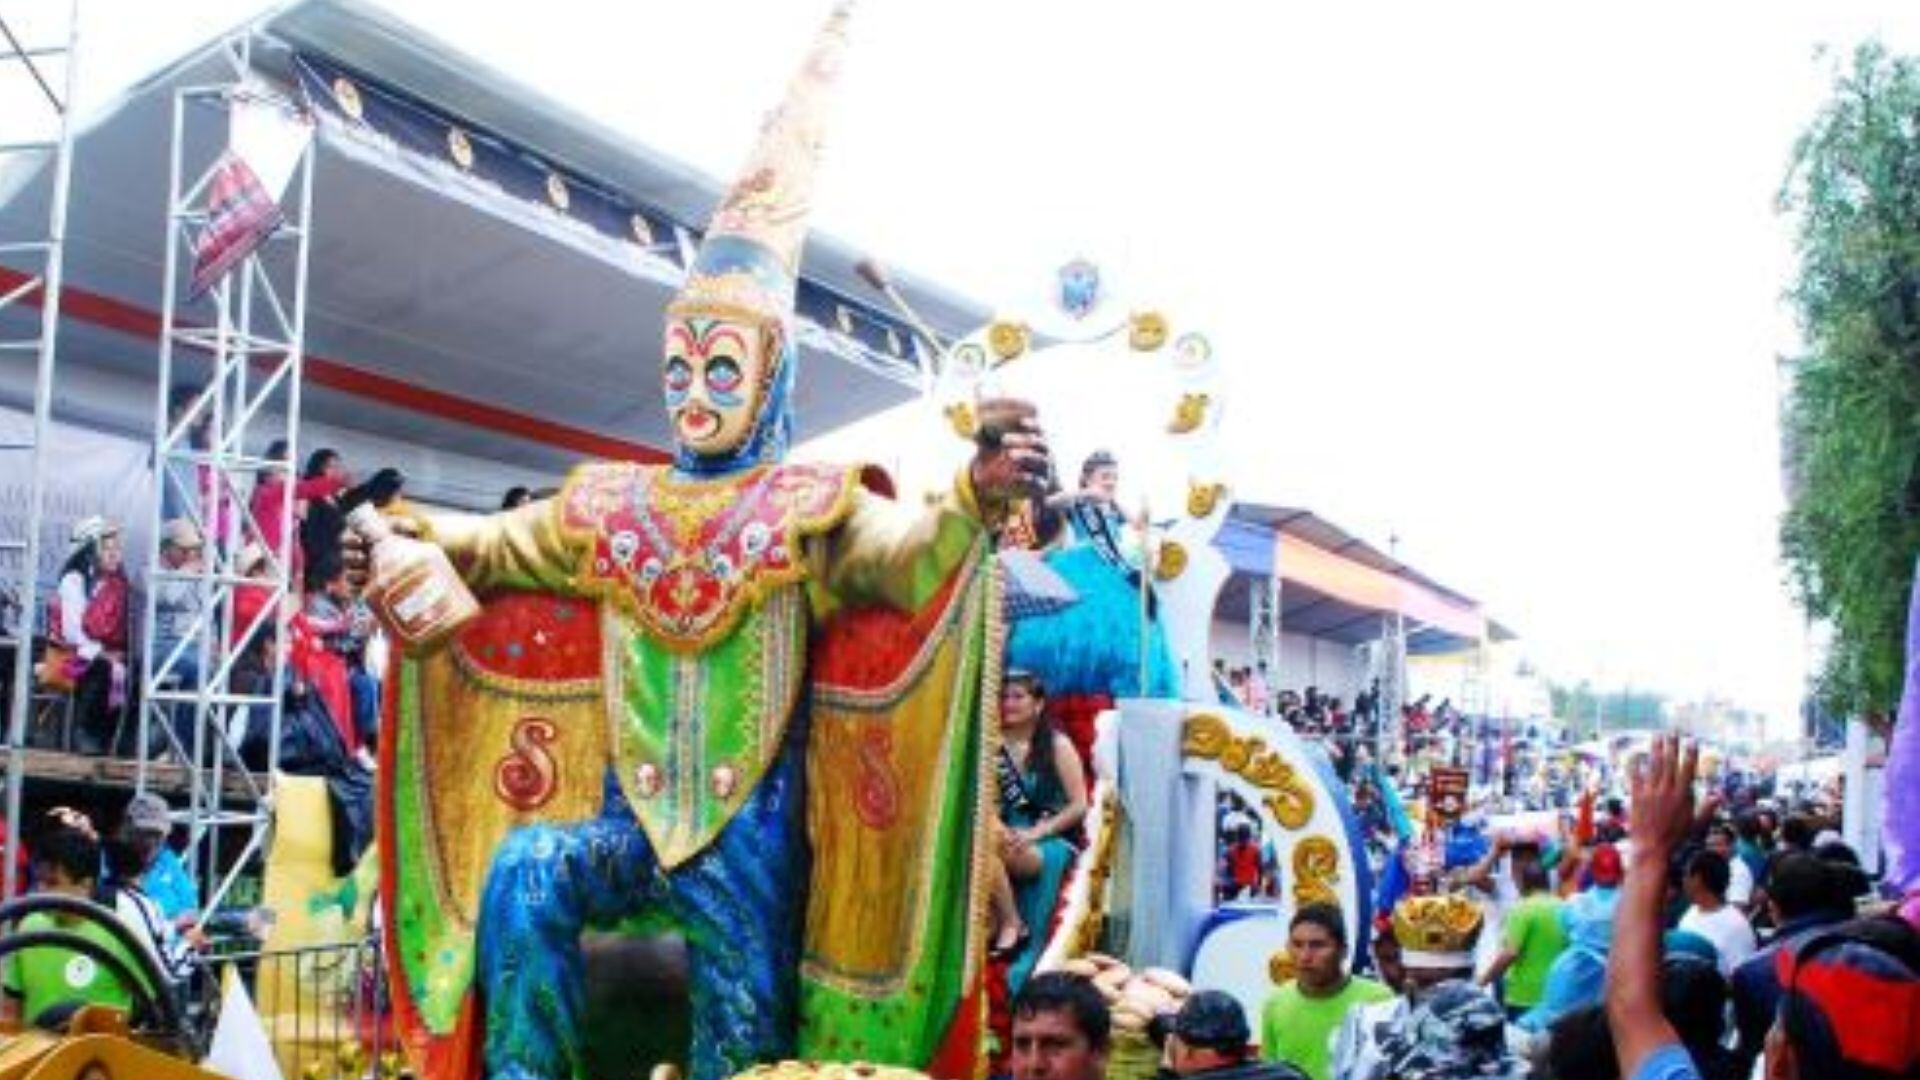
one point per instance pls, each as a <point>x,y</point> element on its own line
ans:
<point>1079,288</point>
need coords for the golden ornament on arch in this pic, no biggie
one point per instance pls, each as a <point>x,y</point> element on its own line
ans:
<point>1189,414</point>
<point>1280,965</point>
<point>1147,331</point>
<point>1171,562</point>
<point>1008,340</point>
<point>557,193</point>
<point>960,415</point>
<point>1202,498</point>
<point>642,232</point>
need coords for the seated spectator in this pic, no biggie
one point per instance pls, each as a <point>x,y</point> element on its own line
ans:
<point>87,630</point>
<point>251,601</point>
<point>1043,797</point>
<point>1208,1038</point>
<point>128,858</point>
<point>342,623</point>
<point>43,984</point>
<point>176,606</point>
<point>1061,1029</point>
<point>167,880</point>
<point>1711,916</point>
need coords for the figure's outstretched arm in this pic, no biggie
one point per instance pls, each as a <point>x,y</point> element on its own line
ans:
<point>523,548</point>
<point>894,554</point>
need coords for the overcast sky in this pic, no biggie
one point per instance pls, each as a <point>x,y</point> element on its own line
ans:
<point>1500,278</point>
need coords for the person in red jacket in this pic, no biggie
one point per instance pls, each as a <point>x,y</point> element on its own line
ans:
<point>87,631</point>
<point>269,495</point>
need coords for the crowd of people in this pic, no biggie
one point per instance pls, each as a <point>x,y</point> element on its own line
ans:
<point>1624,952</point>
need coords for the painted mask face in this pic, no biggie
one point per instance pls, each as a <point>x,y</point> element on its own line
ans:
<point>716,376</point>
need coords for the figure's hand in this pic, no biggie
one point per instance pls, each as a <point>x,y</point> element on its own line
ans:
<point>1012,457</point>
<point>1663,798</point>
<point>357,553</point>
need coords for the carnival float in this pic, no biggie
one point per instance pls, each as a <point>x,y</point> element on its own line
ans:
<point>686,679</point>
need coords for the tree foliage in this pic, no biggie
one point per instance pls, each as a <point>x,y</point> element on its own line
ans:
<point>1588,710</point>
<point>1852,418</point>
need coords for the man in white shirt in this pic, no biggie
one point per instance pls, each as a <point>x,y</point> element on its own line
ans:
<point>1720,841</point>
<point>1711,916</point>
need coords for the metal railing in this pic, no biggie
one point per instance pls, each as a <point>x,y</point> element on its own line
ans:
<point>325,1009</point>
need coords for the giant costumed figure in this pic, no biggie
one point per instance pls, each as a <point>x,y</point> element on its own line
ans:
<point>728,697</point>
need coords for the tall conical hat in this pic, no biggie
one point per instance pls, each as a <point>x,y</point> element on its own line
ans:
<point>749,260</point>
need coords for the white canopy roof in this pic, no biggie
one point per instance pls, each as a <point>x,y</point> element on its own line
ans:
<point>442,310</point>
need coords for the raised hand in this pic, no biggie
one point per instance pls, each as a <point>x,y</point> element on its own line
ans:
<point>1012,459</point>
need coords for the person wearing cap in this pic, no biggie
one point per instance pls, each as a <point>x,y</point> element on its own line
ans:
<point>1209,1037</point>
<point>1299,1020</point>
<point>88,628</point>
<point>166,880</point>
<point>177,604</point>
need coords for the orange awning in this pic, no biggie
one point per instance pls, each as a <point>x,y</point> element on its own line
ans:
<point>1303,563</point>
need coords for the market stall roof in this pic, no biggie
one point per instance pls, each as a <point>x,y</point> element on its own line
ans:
<point>457,300</point>
<point>1336,586</point>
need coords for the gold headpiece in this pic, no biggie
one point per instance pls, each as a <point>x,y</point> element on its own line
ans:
<point>749,260</point>
<point>1437,931</point>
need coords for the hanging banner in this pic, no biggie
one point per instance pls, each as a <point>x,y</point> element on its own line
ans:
<point>1446,793</point>
<point>265,143</point>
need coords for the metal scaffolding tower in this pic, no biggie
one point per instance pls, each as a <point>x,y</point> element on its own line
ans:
<point>229,389</point>
<point>40,256</point>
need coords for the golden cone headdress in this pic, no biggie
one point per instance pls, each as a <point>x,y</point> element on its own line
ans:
<point>749,260</point>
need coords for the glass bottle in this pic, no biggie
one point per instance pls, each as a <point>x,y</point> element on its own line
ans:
<point>413,586</point>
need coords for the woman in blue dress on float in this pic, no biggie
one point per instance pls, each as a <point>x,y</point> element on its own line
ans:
<point>1091,647</point>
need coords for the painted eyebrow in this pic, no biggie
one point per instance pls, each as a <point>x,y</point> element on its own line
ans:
<point>725,333</point>
<point>682,335</point>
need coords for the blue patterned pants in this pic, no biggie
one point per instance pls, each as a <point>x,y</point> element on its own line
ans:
<point>739,903</point>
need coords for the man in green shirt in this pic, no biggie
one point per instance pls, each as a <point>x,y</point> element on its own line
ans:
<point>1532,939</point>
<point>1299,1021</point>
<point>47,978</point>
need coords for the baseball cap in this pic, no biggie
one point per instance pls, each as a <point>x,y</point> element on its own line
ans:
<point>1214,1020</point>
<point>147,812</point>
<point>1852,994</point>
<point>1607,867</point>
